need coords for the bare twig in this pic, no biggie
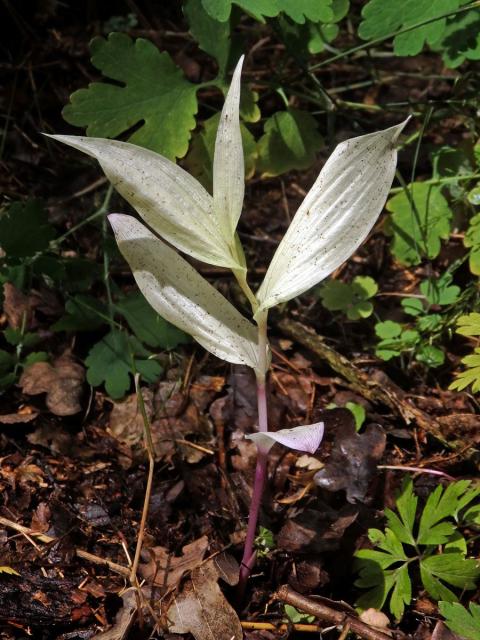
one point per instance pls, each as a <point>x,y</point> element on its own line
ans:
<point>338,618</point>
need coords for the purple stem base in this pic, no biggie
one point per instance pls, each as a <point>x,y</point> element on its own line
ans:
<point>249,554</point>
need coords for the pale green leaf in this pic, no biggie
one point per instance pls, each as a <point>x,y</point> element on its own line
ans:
<point>335,217</point>
<point>228,163</point>
<point>169,199</point>
<point>199,160</point>
<point>182,296</point>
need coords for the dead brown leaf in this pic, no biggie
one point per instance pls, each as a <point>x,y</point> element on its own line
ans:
<point>126,422</point>
<point>201,608</point>
<point>62,382</point>
<point>16,306</point>
<point>165,570</point>
<point>353,461</point>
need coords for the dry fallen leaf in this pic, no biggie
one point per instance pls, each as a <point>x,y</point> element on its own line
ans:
<point>353,462</point>
<point>62,382</point>
<point>165,570</point>
<point>201,608</point>
<point>126,421</point>
<point>16,306</point>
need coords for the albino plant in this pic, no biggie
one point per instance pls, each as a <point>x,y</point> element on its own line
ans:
<point>333,220</point>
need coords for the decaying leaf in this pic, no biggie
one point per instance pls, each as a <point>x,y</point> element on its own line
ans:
<point>165,570</point>
<point>62,382</point>
<point>201,608</point>
<point>352,463</point>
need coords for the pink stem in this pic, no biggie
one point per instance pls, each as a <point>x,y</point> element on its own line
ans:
<point>248,559</point>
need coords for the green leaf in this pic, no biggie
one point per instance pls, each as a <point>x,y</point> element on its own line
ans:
<point>472,242</point>
<point>154,92</point>
<point>381,18</point>
<point>83,313</point>
<point>474,196</point>
<point>401,593</point>
<point>430,355</point>
<point>469,325</point>
<point>147,325</point>
<point>35,356</point>
<point>460,40</point>
<point>352,299</point>
<point>471,376</point>
<point>296,616</point>
<point>406,504</point>
<point>358,412</point>
<point>24,229</point>
<point>297,10</point>
<point>439,506</point>
<point>430,322</point>
<point>290,141</point>
<point>440,290</point>
<point>412,306</point>
<point>419,221</point>
<point>7,361</point>
<point>464,622</point>
<point>451,568</point>
<point>388,329</point>
<point>212,36</point>
<point>199,160</point>
<point>115,359</point>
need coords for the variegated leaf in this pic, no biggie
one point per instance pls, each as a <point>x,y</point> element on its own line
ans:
<point>182,296</point>
<point>335,217</point>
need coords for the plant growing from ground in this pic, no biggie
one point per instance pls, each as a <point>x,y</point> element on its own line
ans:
<point>430,540</point>
<point>333,220</point>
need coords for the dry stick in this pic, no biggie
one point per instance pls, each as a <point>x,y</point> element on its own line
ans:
<point>332,616</point>
<point>148,490</point>
<point>378,389</point>
<point>80,553</point>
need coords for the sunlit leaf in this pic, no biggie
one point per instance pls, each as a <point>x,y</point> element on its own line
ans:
<point>169,199</point>
<point>335,217</point>
<point>148,90</point>
<point>182,296</point>
<point>228,163</point>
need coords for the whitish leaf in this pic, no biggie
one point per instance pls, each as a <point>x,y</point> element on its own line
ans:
<point>228,166</point>
<point>180,295</point>
<point>170,200</point>
<point>335,217</point>
<point>305,438</point>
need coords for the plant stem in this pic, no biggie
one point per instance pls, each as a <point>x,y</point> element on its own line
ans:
<point>249,554</point>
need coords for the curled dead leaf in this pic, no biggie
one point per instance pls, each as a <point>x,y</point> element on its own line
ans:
<point>201,608</point>
<point>62,382</point>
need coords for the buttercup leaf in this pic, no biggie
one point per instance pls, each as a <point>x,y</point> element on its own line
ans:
<point>180,295</point>
<point>169,199</point>
<point>335,217</point>
<point>305,438</point>
<point>228,163</point>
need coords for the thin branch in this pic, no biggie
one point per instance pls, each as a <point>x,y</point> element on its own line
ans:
<point>338,618</point>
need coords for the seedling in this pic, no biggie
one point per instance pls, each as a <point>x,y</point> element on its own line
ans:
<point>333,220</point>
